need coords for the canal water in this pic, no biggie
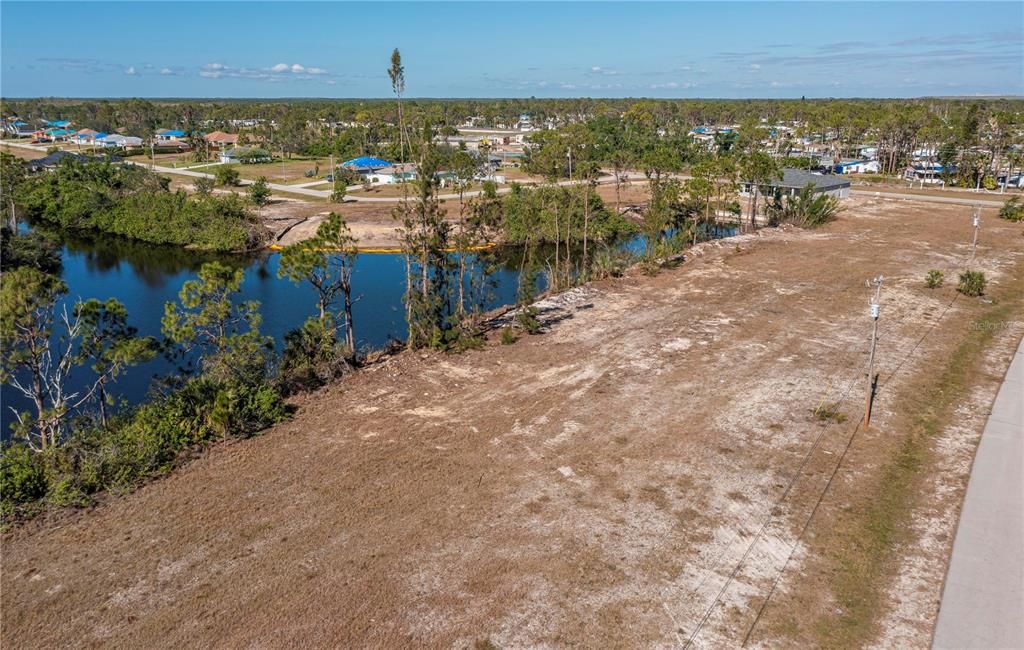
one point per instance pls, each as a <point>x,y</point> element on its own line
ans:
<point>145,277</point>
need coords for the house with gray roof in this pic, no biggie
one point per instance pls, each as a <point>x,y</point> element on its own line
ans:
<point>794,180</point>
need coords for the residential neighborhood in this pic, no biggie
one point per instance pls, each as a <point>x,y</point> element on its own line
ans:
<point>505,325</point>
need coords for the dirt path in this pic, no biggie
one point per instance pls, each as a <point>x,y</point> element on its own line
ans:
<point>638,476</point>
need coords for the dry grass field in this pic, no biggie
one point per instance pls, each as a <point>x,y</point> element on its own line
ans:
<point>676,460</point>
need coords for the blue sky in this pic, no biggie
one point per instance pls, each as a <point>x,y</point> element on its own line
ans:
<point>499,49</point>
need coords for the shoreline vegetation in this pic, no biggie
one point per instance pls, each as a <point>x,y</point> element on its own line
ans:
<point>130,201</point>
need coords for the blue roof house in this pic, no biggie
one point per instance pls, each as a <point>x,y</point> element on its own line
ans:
<point>366,164</point>
<point>169,135</point>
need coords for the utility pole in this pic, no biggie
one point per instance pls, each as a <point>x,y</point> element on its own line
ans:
<point>875,312</point>
<point>976,222</point>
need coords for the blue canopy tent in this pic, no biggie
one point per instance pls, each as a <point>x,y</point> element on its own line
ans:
<point>366,164</point>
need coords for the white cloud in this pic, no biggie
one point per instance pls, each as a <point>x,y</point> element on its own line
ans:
<point>755,66</point>
<point>166,71</point>
<point>670,85</point>
<point>596,69</point>
<point>131,71</point>
<point>277,72</point>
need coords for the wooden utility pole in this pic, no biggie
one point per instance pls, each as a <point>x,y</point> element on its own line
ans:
<point>875,312</point>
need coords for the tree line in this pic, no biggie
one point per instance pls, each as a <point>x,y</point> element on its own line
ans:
<point>974,135</point>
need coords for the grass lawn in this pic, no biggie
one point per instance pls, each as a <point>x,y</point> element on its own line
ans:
<point>286,171</point>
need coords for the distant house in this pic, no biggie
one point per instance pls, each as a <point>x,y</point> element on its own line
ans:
<point>794,180</point>
<point>58,124</point>
<point>118,140</point>
<point>56,158</point>
<point>857,167</point>
<point>221,140</point>
<point>84,136</point>
<point>171,146</point>
<point>366,164</point>
<point>52,134</point>
<point>393,175</point>
<point>245,156</point>
<point>169,135</point>
<point>927,173</point>
<point>17,128</point>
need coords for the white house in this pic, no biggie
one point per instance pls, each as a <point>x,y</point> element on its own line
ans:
<point>118,140</point>
<point>245,155</point>
<point>169,135</point>
<point>857,167</point>
<point>926,174</point>
<point>393,174</point>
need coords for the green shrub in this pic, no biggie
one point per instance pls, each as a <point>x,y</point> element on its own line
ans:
<point>203,185</point>
<point>830,413</point>
<point>508,335</point>
<point>608,263</point>
<point>22,476</point>
<point>136,446</point>
<point>227,176</point>
<point>934,279</point>
<point>972,283</point>
<point>312,357</point>
<point>462,339</point>
<point>1012,210</point>
<point>808,209</point>
<point>527,319</point>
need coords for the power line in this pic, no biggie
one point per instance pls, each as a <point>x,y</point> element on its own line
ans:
<point>976,221</point>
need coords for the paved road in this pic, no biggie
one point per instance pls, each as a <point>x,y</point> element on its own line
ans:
<point>986,202</point>
<point>983,600</point>
<point>354,193</point>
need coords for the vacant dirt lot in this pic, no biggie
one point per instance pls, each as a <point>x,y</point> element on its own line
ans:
<point>640,475</point>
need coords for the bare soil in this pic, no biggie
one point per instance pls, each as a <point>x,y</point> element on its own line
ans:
<point>639,475</point>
